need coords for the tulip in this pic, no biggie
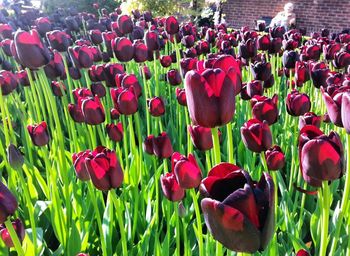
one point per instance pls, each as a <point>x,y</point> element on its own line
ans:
<point>275,45</point>
<point>188,41</point>
<point>309,118</point>
<point>297,103</point>
<point>79,160</point>
<point>22,77</point>
<point>319,73</point>
<point>43,25</point>
<point>171,25</point>
<point>156,106</point>
<point>110,71</point>
<point>275,158</point>
<point>123,49</point>
<point>263,43</point>
<point>181,96</point>
<point>301,73</point>
<point>174,77</point>
<point>8,203</point>
<point>31,52</point>
<point>104,169</point>
<point>321,156</point>
<point>171,189</point>
<point>330,50</point>
<point>210,97</point>
<point>8,82</point>
<point>152,41</point>
<point>277,31</point>
<point>254,88</point>
<point>188,64</point>
<point>140,52</point>
<point>125,24</point>
<point>144,70</point>
<point>261,70</point>
<point>201,137</point>
<point>96,36</point>
<point>6,47</point>
<point>264,108</point>
<point>108,37</point>
<point>256,135</point>
<point>74,73</point>
<point>6,31</point>
<point>55,68</point>
<point>238,211</point>
<point>165,61</point>
<point>186,170</point>
<point>131,80</point>
<point>341,60</point>
<point>5,235</point>
<point>289,59</point>
<point>115,132</point>
<point>345,110</point>
<point>92,110</point>
<point>114,114</point>
<point>162,147</point>
<point>125,100</point>
<point>81,56</point>
<point>247,49</point>
<point>57,88</point>
<point>302,252</point>
<point>148,144</point>
<point>39,134</point>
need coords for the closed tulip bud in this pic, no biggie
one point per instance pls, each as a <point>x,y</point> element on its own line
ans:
<point>309,118</point>
<point>201,137</point>
<point>148,145</point>
<point>43,25</point>
<point>74,73</point>
<point>58,88</point>
<point>96,53</point>
<point>75,113</point>
<point>247,49</point>
<point>171,25</point>
<point>170,187</point>
<point>152,40</point>
<point>321,156</point>
<point>254,88</point>
<point>131,80</point>
<point>264,108</point>
<point>289,59</point>
<point>79,160</point>
<point>256,135</point>
<point>144,70</point>
<point>125,100</point>
<point>181,96</point>
<point>302,252</point>
<point>6,31</point>
<point>8,82</point>
<point>97,73</point>
<point>125,24</point>
<point>39,134</point>
<point>275,45</point>
<point>156,106</point>
<point>330,50</point>
<point>238,211</point>
<point>188,41</point>
<point>5,235</point>
<point>104,169</point>
<point>319,73</point>
<point>297,103</point>
<point>263,43</point>
<point>96,36</point>
<point>98,89</point>
<point>275,158</point>
<point>55,68</point>
<point>277,31</point>
<point>341,60</point>
<point>162,147</point>
<point>261,70</point>
<point>165,61</point>
<point>186,170</point>
<point>30,50</point>
<point>301,73</point>
<point>115,132</point>
<point>6,47</point>
<point>114,114</point>
<point>111,70</point>
<point>81,56</point>
<point>312,52</point>
<point>174,77</point>
<point>93,110</point>
<point>188,64</point>
<point>140,52</point>
<point>8,203</point>
<point>123,49</point>
<point>15,157</point>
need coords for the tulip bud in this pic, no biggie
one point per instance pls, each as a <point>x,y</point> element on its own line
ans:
<point>174,77</point>
<point>171,189</point>
<point>93,110</point>
<point>123,49</point>
<point>5,235</point>
<point>289,59</point>
<point>309,118</point>
<point>156,106</point>
<point>125,100</point>
<point>98,89</point>
<point>261,70</point>
<point>162,147</point>
<point>264,108</point>
<point>187,172</point>
<point>275,159</point>
<point>39,134</point>
<point>115,132</point>
<point>171,25</point>
<point>57,88</point>
<point>256,135</point>
<point>59,40</point>
<point>8,203</point>
<point>14,157</point>
<point>297,103</point>
<point>79,160</point>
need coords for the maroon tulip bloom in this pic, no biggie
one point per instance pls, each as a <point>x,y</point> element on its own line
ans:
<point>156,106</point>
<point>131,80</point>
<point>75,113</point>
<point>144,70</point>
<point>123,49</point>
<point>330,50</point>
<point>247,49</point>
<point>312,52</point>
<point>162,147</point>
<point>187,172</point>
<point>188,41</point>
<point>302,252</point>
<point>263,42</point>
<point>171,25</point>
<point>238,211</point>
<point>110,71</point>
<point>264,108</point>
<point>39,134</point>
<point>188,64</point>
<point>115,132</point>
<point>256,135</point>
<point>210,97</point>
<point>30,50</point>
<point>55,68</point>
<point>319,73</point>
<point>114,114</point>
<point>93,110</point>
<point>165,61</point>
<point>8,203</point>
<point>6,31</point>
<point>181,96</point>
<point>79,160</point>
<point>297,103</point>
<point>277,31</point>
<point>96,36</point>
<point>125,24</point>
<point>345,110</point>
<point>140,51</point>
<point>201,137</point>
<point>171,189</point>
<point>309,118</point>
<point>261,70</point>
<point>125,100</point>
<point>301,73</point>
<point>341,60</point>
<point>148,144</point>
<point>6,47</point>
<point>81,56</point>
<point>97,73</point>
<point>5,235</point>
<point>254,88</point>
<point>289,59</point>
<point>98,89</point>
<point>275,158</point>
<point>104,169</point>
<point>58,88</point>
<point>174,77</point>
<point>152,40</point>
<point>8,82</point>
<point>43,25</point>
<point>275,45</point>
<point>321,157</point>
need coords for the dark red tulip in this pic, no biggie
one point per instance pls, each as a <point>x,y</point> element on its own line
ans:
<point>43,25</point>
<point>165,61</point>
<point>321,157</point>
<point>123,49</point>
<point>171,189</point>
<point>290,44</point>
<point>110,71</point>
<point>256,135</point>
<point>140,51</point>
<point>181,96</point>
<point>254,88</point>
<point>188,41</point>
<point>6,31</point>
<point>302,252</point>
<point>238,211</point>
<point>125,24</point>
<point>81,56</point>
<point>186,170</point>
<point>115,131</point>
<point>301,73</point>
<point>15,157</point>
<point>263,42</point>
<point>152,40</point>
<point>261,70</point>
<point>210,97</point>
<point>144,70</point>
<point>108,37</point>
<point>201,137</point>
<point>174,77</point>
<point>5,235</point>
<point>162,147</point>
<point>156,106</point>
<point>319,73</point>
<point>247,49</point>
<point>275,45</point>
<point>104,169</point>
<point>8,203</point>
<point>55,68</point>
<point>188,64</point>
<point>74,73</point>
<point>297,103</point>
<point>148,144</point>
<point>6,47</point>
<point>341,60</point>
<point>330,50</point>
<point>58,88</point>
<point>277,31</point>
<point>98,89</point>
<point>39,134</point>
<point>96,36</point>
<point>309,118</point>
<point>264,108</point>
<point>114,114</point>
<point>125,100</point>
<point>97,73</point>
<point>30,50</point>
<point>79,160</point>
<point>75,113</point>
<point>131,80</point>
<point>275,158</point>
<point>93,110</point>
<point>171,25</point>
<point>96,53</point>
<point>289,59</point>
<point>345,110</point>
<point>8,82</point>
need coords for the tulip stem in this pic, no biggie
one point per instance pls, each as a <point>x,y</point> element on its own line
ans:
<point>345,200</point>
<point>230,143</point>
<point>14,238</point>
<point>177,229</point>
<point>216,144</point>
<point>199,221</point>
<point>325,218</point>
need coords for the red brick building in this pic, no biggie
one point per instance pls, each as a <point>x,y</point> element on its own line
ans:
<point>311,14</point>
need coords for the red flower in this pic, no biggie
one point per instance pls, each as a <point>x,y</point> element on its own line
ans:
<point>256,135</point>
<point>187,172</point>
<point>8,203</point>
<point>123,49</point>
<point>115,132</point>
<point>171,25</point>
<point>5,235</point>
<point>39,134</point>
<point>79,160</point>
<point>309,118</point>
<point>125,100</point>
<point>297,103</point>
<point>92,110</point>
<point>174,77</point>
<point>81,56</point>
<point>264,108</point>
<point>156,106</point>
<point>275,158</point>
<point>161,145</point>
<point>171,189</point>
<point>125,24</point>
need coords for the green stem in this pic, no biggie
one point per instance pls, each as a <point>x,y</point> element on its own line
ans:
<point>216,148</point>
<point>230,143</point>
<point>199,221</point>
<point>177,229</point>
<point>14,238</point>
<point>325,218</point>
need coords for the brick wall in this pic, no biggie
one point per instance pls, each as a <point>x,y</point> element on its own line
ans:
<point>311,14</point>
